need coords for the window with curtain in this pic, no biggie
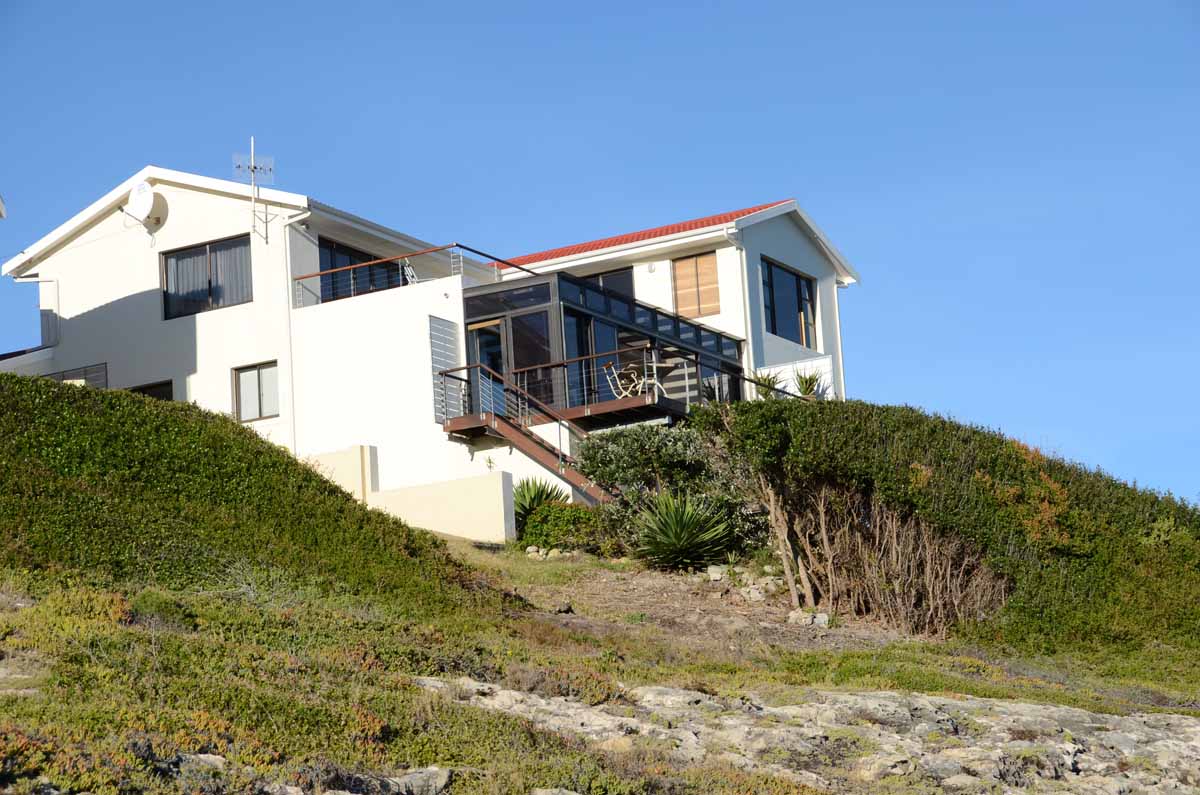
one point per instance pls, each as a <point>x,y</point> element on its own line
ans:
<point>354,281</point>
<point>208,276</point>
<point>256,391</point>
<point>789,304</point>
<point>696,291</point>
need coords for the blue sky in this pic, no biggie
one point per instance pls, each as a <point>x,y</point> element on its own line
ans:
<point>1016,182</point>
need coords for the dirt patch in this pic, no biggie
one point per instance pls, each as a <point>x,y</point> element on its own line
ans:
<point>691,607</point>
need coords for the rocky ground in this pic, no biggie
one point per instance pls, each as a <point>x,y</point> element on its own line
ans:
<point>869,741</point>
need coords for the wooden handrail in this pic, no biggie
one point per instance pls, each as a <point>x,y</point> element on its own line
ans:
<point>549,412</point>
<point>433,250</point>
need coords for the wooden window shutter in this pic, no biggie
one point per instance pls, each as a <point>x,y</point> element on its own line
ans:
<point>687,301</point>
<point>696,291</point>
<point>708,294</point>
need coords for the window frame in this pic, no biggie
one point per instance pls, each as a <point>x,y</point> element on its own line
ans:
<point>771,320</point>
<point>333,244</point>
<point>237,393</point>
<point>208,244</point>
<point>696,264</point>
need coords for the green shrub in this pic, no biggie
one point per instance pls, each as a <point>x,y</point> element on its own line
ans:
<point>155,607</point>
<point>562,525</point>
<point>679,532</point>
<point>529,495</point>
<point>1093,561</point>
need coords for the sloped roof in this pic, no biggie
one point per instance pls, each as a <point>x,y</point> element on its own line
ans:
<point>719,219</point>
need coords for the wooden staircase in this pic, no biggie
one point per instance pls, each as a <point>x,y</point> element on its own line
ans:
<point>505,411</point>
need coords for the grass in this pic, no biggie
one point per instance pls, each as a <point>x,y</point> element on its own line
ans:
<point>197,590</point>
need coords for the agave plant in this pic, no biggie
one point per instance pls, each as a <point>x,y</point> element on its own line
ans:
<point>768,385</point>
<point>529,495</point>
<point>679,532</point>
<point>808,383</point>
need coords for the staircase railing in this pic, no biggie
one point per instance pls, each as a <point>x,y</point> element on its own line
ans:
<point>476,389</point>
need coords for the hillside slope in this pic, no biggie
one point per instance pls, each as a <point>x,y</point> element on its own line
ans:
<point>1092,561</point>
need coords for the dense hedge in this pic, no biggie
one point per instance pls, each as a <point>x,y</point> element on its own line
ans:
<point>130,487</point>
<point>1092,559</point>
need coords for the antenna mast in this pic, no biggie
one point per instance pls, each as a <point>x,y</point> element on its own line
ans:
<point>256,171</point>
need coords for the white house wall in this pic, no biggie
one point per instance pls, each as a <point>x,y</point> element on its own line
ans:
<point>111,308</point>
<point>782,240</point>
<point>363,376</point>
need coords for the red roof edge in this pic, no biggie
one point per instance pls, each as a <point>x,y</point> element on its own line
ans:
<point>643,235</point>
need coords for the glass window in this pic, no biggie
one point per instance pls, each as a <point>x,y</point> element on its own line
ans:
<point>530,339</point>
<point>335,256</point>
<point>645,317</point>
<point>506,300</point>
<point>94,375</point>
<point>689,333</point>
<point>618,281</point>
<point>596,299</point>
<point>256,394</point>
<point>209,276</point>
<point>789,304</point>
<point>620,308</point>
<point>570,291</point>
<point>695,281</point>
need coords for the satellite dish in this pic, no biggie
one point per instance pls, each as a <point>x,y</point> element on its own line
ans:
<point>140,202</point>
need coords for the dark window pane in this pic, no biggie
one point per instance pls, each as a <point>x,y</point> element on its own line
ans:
<point>530,339</point>
<point>729,348</point>
<point>230,272</point>
<point>688,332</point>
<point>620,308</point>
<point>710,341</point>
<point>163,390</point>
<point>186,281</point>
<point>666,325</point>
<point>645,317</point>
<point>595,299</point>
<point>786,299</point>
<point>506,300</point>
<point>619,282</point>
<point>570,291</point>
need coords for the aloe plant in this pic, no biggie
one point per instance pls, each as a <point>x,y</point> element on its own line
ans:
<point>679,532</point>
<point>529,495</point>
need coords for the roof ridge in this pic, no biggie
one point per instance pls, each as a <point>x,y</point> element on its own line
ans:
<point>642,235</point>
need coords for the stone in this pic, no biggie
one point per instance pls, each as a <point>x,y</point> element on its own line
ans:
<point>873,768</point>
<point>752,593</point>
<point>531,550</point>
<point>961,781</point>
<point>821,620</point>
<point>426,781</point>
<point>555,791</point>
<point>717,573</point>
<point>770,570</point>
<point>202,761</point>
<point>564,609</point>
<point>282,789</point>
<point>800,617</point>
<point>554,553</point>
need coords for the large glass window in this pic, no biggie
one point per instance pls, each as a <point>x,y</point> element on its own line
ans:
<point>478,306</point>
<point>161,390</point>
<point>789,304</point>
<point>696,291</point>
<point>346,280</point>
<point>256,391</point>
<point>209,276</point>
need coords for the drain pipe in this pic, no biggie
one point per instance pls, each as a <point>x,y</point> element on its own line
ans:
<point>290,296</point>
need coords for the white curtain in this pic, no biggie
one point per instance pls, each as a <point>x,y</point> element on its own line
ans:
<point>231,272</point>
<point>187,282</point>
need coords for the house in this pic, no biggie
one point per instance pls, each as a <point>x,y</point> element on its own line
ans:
<point>426,379</point>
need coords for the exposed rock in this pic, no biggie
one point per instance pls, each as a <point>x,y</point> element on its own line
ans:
<point>834,740</point>
<point>564,609</point>
<point>532,550</point>
<point>282,789</point>
<point>553,792</point>
<point>202,761</point>
<point>752,593</point>
<point>554,553</point>
<point>717,573</point>
<point>820,619</point>
<point>800,617</point>
<point>427,781</point>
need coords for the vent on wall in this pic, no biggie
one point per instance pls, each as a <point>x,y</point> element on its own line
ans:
<point>443,354</point>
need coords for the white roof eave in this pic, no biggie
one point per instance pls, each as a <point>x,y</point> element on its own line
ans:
<point>846,272</point>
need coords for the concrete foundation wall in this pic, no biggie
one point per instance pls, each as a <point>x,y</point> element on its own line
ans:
<point>478,508</point>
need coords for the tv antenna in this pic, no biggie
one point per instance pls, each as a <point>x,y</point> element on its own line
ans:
<point>257,171</point>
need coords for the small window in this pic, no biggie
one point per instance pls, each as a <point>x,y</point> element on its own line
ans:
<point>696,290</point>
<point>256,392</point>
<point>208,276</point>
<point>94,375</point>
<point>789,304</point>
<point>161,390</point>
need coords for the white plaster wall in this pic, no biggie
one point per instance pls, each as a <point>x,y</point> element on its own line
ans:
<point>653,283</point>
<point>363,376</point>
<point>111,310</point>
<point>782,240</point>
<point>479,507</point>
